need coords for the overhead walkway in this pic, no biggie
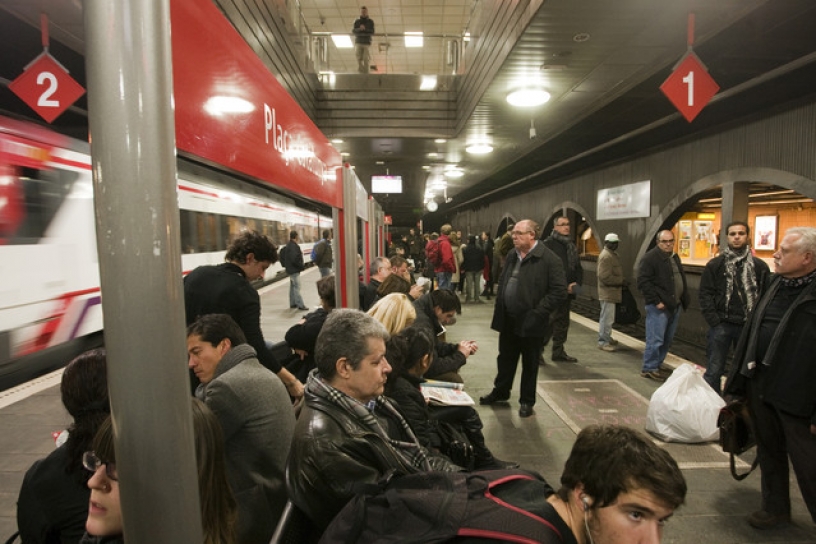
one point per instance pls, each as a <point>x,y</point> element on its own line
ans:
<point>601,387</point>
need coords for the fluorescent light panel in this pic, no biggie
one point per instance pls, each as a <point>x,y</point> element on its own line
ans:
<point>342,41</point>
<point>413,39</point>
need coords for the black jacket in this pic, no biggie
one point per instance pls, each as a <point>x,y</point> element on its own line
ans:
<point>655,279</point>
<point>293,258</point>
<point>542,288</point>
<point>788,371</point>
<point>333,455</point>
<point>446,356</point>
<point>713,287</point>
<point>304,336</point>
<point>473,258</point>
<point>224,289</point>
<point>53,504</point>
<point>574,274</point>
<point>408,398</point>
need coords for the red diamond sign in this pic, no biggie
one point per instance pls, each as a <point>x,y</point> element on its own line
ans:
<point>46,87</point>
<point>690,87</point>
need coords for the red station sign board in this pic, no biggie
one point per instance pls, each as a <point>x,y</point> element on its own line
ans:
<point>46,87</point>
<point>232,111</point>
<point>690,87</point>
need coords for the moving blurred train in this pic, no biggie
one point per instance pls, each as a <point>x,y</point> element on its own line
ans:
<point>50,300</point>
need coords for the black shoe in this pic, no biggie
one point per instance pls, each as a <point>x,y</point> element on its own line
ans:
<point>492,398</point>
<point>526,410</point>
<point>302,307</point>
<point>564,358</point>
<point>765,520</point>
<point>495,464</point>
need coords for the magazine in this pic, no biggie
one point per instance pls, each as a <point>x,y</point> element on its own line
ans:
<point>446,396</point>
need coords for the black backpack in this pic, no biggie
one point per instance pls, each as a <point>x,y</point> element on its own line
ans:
<point>431,507</point>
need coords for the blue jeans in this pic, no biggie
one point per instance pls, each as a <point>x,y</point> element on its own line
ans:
<point>324,271</point>
<point>443,280</point>
<point>605,322</point>
<point>295,300</point>
<point>660,328</point>
<point>720,340</point>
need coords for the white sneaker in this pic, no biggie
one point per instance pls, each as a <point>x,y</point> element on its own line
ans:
<point>607,347</point>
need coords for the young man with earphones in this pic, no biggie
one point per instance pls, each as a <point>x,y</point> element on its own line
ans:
<point>618,487</point>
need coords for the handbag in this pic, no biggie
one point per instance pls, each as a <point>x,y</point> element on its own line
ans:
<point>455,444</point>
<point>736,433</point>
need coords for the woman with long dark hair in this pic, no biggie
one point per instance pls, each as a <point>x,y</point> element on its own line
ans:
<point>53,501</point>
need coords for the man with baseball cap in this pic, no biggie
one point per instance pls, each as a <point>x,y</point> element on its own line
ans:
<point>610,284</point>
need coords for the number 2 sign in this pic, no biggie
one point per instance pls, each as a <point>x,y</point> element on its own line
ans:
<point>46,87</point>
<point>690,87</point>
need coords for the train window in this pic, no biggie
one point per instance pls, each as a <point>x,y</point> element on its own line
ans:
<point>188,231</point>
<point>35,197</point>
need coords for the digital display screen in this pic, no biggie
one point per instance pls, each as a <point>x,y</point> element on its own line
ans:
<point>386,184</point>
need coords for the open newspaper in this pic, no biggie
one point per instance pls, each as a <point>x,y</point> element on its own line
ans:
<point>446,394</point>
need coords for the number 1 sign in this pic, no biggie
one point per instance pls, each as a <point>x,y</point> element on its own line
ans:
<point>46,87</point>
<point>690,87</point>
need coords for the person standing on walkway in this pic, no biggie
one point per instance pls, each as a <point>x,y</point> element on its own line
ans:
<point>226,289</point>
<point>731,284</point>
<point>445,265</point>
<point>774,367</point>
<point>363,30</point>
<point>292,261</point>
<point>560,242</point>
<point>610,287</point>
<point>473,263</point>
<point>662,282</point>
<point>323,254</point>
<point>531,289</point>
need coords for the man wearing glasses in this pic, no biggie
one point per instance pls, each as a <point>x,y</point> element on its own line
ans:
<point>532,287</point>
<point>662,282</point>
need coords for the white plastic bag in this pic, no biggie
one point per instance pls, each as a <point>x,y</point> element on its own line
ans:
<point>685,408</point>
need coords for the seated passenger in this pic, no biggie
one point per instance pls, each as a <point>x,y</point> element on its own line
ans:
<point>53,502</point>
<point>409,354</point>
<point>435,310</point>
<point>395,312</point>
<point>302,336</point>
<point>348,434</point>
<point>256,417</point>
<point>104,512</point>
<point>379,270</point>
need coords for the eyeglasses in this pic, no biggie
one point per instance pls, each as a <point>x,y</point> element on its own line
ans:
<point>666,241</point>
<point>91,463</point>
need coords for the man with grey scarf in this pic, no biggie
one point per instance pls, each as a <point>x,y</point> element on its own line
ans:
<point>561,243</point>
<point>730,286</point>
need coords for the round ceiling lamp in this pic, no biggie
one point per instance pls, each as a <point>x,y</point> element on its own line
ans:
<point>528,98</point>
<point>454,173</point>
<point>480,148</point>
<point>432,206</point>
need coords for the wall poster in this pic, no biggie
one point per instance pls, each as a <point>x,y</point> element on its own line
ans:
<point>765,232</point>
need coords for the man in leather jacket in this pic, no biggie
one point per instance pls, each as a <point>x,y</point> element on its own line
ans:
<point>349,435</point>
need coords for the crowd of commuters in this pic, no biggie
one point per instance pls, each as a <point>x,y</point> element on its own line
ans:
<point>363,416</point>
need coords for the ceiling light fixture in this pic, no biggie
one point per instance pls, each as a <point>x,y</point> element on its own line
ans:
<point>432,206</point>
<point>337,141</point>
<point>480,148</point>
<point>454,173</point>
<point>528,98</point>
<point>412,39</point>
<point>440,141</point>
<point>342,41</point>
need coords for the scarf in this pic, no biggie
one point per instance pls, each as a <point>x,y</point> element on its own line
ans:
<point>798,282</point>
<point>411,452</point>
<point>572,251</point>
<point>734,259</point>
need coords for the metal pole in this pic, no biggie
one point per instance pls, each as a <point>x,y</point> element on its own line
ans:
<point>128,59</point>
<point>349,242</point>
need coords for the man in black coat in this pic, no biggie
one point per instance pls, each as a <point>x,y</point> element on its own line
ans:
<point>775,368</point>
<point>730,285</point>
<point>560,243</point>
<point>662,282</point>
<point>292,261</point>
<point>531,288</point>
<point>225,289</point>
